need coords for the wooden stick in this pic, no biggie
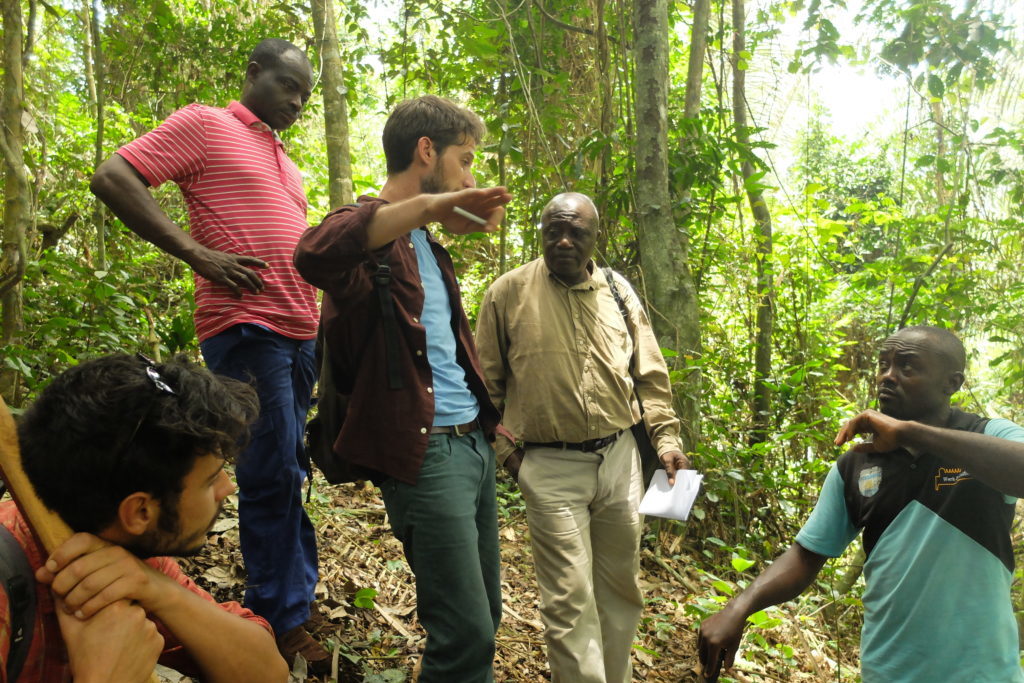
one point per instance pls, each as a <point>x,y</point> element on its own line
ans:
<point>46,524</point>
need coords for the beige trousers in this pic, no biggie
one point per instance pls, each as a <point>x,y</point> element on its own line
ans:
<point>585,535</point>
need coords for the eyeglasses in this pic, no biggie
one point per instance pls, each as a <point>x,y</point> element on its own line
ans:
<point>154,375</point>
<point>161,386</point>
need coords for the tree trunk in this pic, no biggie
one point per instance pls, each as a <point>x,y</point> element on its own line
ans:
<point>762,235</point>
<point>17,192</point>
<point>664,248</point>
<point>339,160</point>
<point>694,81</point>
<point>95,79</point>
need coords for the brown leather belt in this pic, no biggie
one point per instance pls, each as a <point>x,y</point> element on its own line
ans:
<point>586,446</point>
<point>457,430</point>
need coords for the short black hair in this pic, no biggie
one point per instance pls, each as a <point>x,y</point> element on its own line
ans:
<point>112,426</point>
<point>441,120</point>
<point>945,343</point>
<point>268,52</point>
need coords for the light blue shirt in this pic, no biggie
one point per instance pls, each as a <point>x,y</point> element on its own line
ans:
<point>454,403</point>
<point>937,604</point>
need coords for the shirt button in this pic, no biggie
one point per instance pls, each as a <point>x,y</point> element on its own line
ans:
<point>423,430</point>
<point>415,320</point>
<point>593,428</point>
<point>411,245</point>
<point>430,390</point>
<point>418,352</point>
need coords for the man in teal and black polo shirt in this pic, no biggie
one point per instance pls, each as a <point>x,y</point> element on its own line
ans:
<point>933,492</point>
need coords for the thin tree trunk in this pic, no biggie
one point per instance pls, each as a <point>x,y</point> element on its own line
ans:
<point>604,76</point>
<point>95,78</point>
<point>664,248</point>
<point>502,176</point>
<point>17,190</point>
<point>762,236</point>
<point>694,81</point>
<point>339,159</point>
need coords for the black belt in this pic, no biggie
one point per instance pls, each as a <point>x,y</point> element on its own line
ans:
<point>457,430</point>
<point>586,446</point>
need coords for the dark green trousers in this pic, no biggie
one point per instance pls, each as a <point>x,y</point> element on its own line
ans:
<point>448,526</point>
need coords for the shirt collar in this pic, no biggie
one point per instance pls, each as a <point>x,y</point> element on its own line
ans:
<point>245,115</point>
<point>590,283</point>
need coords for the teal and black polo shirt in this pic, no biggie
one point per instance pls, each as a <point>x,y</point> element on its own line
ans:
<point>939,562</point>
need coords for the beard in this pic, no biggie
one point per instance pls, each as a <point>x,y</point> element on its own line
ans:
<point>433,183</point>
<point>169,541</point>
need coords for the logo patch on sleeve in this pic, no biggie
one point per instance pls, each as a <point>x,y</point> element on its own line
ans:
<point>950,476</point>
<point>870,480</point>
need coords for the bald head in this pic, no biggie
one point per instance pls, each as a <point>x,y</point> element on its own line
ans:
<point>942,342</point>
<point>571,203</point>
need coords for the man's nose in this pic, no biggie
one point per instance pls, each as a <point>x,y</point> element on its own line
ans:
<point>226,488</point>
<point>468,180</point>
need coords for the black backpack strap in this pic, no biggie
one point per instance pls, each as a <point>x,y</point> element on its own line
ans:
<point>19,582</point>
<point>382,286</point>
<point>622,307</point>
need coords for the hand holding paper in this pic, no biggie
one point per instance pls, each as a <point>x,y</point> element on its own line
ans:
<point>673,502</point>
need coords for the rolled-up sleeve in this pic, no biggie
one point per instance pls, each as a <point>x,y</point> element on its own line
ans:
<point>328,253</point>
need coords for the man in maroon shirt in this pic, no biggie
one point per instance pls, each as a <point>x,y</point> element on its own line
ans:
<point>419,417</point>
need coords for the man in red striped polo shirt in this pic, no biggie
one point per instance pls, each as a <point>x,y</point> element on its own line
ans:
<point>256,319</point>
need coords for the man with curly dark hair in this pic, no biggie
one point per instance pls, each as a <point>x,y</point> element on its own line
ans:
<point>130,454</point>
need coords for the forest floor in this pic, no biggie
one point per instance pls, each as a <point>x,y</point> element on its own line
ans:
<point>376,637</point>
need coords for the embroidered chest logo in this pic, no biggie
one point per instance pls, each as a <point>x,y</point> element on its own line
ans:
<point>950,476</point>
<point>870,480</point>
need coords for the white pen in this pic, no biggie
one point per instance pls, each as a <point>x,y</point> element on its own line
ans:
<point>471,216</point>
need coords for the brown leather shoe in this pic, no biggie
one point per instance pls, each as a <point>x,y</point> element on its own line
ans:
<point>298,642</point>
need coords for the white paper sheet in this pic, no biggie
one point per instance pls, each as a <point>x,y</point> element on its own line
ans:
<point>673,502</point>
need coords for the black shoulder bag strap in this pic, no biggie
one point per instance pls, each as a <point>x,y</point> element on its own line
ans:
<point>648,455</point>
<point>382,286</point>
<point>18,580</point>
<point>623,310</point>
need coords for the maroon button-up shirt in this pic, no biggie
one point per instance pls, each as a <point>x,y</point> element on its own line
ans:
<point>385,429</point>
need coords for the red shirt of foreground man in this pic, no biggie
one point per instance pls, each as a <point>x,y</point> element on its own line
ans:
<point>49,664</point>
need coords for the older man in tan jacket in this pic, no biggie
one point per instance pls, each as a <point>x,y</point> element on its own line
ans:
<point>565,365</point>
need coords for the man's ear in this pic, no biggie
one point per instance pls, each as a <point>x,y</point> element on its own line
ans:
<point>425,150</point>
<point>252,71</point>
<point>954,381</point>
<point>137,513</point>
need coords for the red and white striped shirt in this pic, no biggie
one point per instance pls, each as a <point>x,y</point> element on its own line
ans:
<point>244,196</point>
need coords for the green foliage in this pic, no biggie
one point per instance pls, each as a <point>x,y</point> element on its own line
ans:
<point>364,598</point>
<point>915,223</point>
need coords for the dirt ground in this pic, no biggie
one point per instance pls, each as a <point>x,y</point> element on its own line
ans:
<point>375,637</point>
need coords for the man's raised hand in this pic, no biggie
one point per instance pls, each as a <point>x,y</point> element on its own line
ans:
<point>89,574</point>
<point>488,203</point>
<point>885,432</point>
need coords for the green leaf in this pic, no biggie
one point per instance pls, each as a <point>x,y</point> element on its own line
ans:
<point>364,598</point>
<point>741,564</point>
<point>936,87</point>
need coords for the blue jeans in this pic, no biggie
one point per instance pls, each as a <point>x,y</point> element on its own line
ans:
<point>278,541</point>
<point>448,526</point>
